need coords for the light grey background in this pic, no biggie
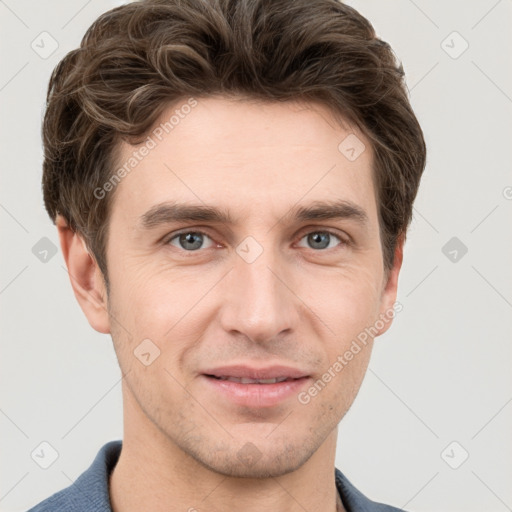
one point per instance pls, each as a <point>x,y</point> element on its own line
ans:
<point>442,372</point>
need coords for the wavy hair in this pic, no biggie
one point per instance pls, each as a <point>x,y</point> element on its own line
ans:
<point>136,59</point>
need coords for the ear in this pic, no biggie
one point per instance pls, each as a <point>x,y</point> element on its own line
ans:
<point>388,298</point>
<point>85,276</point>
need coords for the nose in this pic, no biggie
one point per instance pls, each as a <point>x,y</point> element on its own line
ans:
<point>258,299</point>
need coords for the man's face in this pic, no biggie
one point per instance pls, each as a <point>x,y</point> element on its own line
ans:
<point>268,288</point>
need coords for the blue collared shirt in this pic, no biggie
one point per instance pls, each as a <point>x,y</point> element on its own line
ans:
<point>90,490</point>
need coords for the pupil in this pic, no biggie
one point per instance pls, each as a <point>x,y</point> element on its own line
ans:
<point>319,238</point>
<point>188,238</point>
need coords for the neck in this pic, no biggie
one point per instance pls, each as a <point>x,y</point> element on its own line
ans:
<point>154,474</point>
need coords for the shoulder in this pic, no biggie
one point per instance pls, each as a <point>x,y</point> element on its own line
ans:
<point>89,492</point>
<point>354,500</point>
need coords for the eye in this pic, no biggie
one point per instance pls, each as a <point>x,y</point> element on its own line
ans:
<point>190,240</point>
<point>322,240</point>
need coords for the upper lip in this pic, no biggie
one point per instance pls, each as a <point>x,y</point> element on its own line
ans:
<point>251,372</point>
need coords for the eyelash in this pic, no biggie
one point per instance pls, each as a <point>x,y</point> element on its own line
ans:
<point>343,242</point>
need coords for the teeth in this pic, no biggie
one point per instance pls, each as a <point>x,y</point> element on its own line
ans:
<point>245,380</point>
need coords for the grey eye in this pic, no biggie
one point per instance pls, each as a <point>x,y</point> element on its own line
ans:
<point>189,241</point>
<point>321,240</point>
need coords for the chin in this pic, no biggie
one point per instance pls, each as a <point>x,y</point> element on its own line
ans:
<point>266,467</point>
<point>252,462</point>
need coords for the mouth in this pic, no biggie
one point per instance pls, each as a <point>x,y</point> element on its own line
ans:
<point>254,387</point>
<point>247,380</point>
<point>253,374</point>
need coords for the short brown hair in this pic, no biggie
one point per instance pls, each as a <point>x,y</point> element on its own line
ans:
<point>138,58</point>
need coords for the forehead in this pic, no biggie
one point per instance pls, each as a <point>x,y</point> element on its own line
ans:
<point>248,156</point>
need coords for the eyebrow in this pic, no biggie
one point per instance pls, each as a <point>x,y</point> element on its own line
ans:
<point>168,212</point>
<point>330,210</point>
<point>165,213</point>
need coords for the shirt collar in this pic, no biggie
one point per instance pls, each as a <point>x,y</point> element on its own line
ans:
<point>93,484</point>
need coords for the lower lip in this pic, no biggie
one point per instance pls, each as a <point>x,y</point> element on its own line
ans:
<point>256,395</point>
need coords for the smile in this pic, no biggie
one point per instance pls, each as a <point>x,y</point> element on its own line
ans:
<point>255,393</point>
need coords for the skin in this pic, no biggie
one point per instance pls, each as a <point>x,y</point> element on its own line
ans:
<point>296,305</point>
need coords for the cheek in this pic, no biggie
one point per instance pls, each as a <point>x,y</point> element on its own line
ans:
<point>347,300</point>
<point>167,306</point>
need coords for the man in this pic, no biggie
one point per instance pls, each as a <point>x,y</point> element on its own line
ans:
<point>232,183</point>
